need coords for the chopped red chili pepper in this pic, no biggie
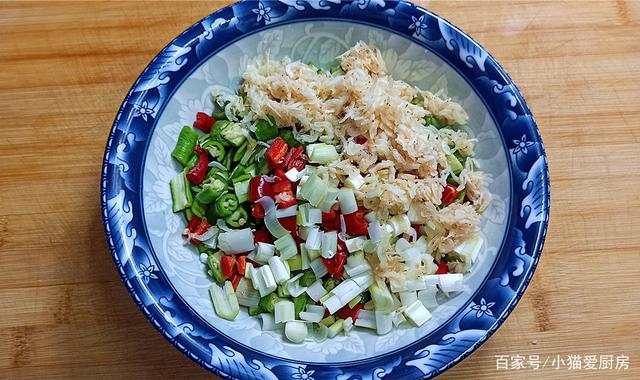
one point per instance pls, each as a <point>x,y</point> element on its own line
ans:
<point>335,265</point>
<point>261,236</point>
<point>199,171</point>
<point>257,211</point>
<point>281,185</point>
<point>202,227</point>
<point>193,223</point>
<point>347,312</point>
<point>331,220</point>
<point>228,265</point>
<point>204,122</point>
<point>416,227</point>
<point>276,152</point>
<point>258,188</point>
<point>360,139</point>
<point>235,281</point>
<point>286,199</point>
<point>242,264</point>
<point>289,224</point>
<point>292,155</point>
<point>356,223</point>
<point>442,268</point>
<point>449,194</point>
<point>298,164</point>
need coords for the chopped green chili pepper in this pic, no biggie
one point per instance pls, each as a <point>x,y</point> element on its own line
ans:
<point>416,101</point>
<point>211,190</point>
<point>232,132</point>
<point>460,197</point>
<point>237,219</point>
<point>430,120</point>
<point>262,167</point>
<point>216,132</point>
<point>242,189</point>
<point>213,261</point>
<point>221,115</point>
<point>249,154</point>
<point>237,172</point>
<point>185,144</point>
<point>255,310</point>
<point>180,192</point>
<point>216,172</point>
<point>452,181</point>
<point>227,159</point>
<point>366,297</point>
<point>226,205</point>
<point>282,291</point>
<point>308,278</point>
<point>335,69</point>
<point>192,162</point>
<point>331,283</point>
<point>240,152</point>
<point>265,130</point>
<point>197,209</point>
<point>287,136</point>
<point>202,248</point>
<point>188,214</point>
<point>299,304</point>
<point>268,303</point>
<point>215,149</point>
<point>252,170</point>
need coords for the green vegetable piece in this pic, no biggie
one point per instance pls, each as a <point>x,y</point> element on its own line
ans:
<point>287,136</point>
<point>220,115</point>
<point>242,189</point>
<point>456,166</point>
<point>330,283</point>
<point>366,297</point>
<point>232,133</point>
<point>237,219</point>
<point>240,152</point>
<point>192,162</point>
<point>226,205</point>
<point>460,197</point>
<point>213,261</point>
<point>268,302</point>
<point>430,120</point>
<point>180,192</point>
<point>263,167</point>
<point>185,144</point>
<point>354,302</point>
<point>216,132</point>
<point>328,321</point>
<point>197,209</point>
<point>202,248</point>
<point>335,69</point>
<point>416,101</point>
<point>295,263</point>
<point>308,278</point>
<point>252,170</point>
<point>299,304</point>
<point>266,130</point>
<point>211,190</point>
<point>227,159</point>
<point>188,214</point>
<point>255,310</point>
<point>215,149</point>
<point>283,291</point>
<point>452,181</point>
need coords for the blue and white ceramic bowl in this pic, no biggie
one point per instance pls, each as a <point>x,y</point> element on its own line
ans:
<point>165,277</point>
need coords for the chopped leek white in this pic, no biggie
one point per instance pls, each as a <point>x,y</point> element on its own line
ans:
<point>417,313</point>
<point>381,297</point>
<point>308,216</point>
<point>280,269</point>
<point>316,290</point>
<point>384,322</point>
<point>354,181</point>
<point>270,217</point>
<point>305,256</point>
<point>236,241</point>
<point>469,250</point>
<point>264,281</point>
<point>287,246</point>
<point>366,319</point>
<point>296,331</point>
<point>347,199</point>
<point>408,297</point>
<point>284,311</point>
<point>451,282</point>
<point>247,295</point>
<point>347,326</point>
<point>292,175</point>
<point>371,216</point>
<point>318,267</point>
<point>268,322</point>
<point>329,244</point>
<point>286,212</point>
<point>398,318</point>
<point>428,297</point>
<point>336,328</point>
<point>224,301</point>
<point>264,252</point>
<point>294,287</point>
<point>314,238</point>
<point>355,244</point>
<point>330,199</point>
<point>399,224</point>
<point>313,313</point>
<point>322,153</point>
<point>314,190</point>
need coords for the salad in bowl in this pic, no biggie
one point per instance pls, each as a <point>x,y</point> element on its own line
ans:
<point>327,199</point>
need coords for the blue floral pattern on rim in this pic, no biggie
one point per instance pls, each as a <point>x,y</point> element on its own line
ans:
<point>452,342</point>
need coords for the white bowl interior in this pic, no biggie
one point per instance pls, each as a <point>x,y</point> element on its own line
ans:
<point>317,42</point>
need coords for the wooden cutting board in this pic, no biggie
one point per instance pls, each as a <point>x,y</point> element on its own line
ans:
<point>65,68</point>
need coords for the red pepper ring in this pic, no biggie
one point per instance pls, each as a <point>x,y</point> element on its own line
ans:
<point>204,122</point>
<point>258,188</point>
<point>335,265</point>
<point>199,171</point>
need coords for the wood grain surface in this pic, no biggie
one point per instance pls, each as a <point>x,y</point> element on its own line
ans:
<point>66,66</point>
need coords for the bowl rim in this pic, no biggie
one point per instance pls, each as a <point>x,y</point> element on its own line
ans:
<point>475,60</point>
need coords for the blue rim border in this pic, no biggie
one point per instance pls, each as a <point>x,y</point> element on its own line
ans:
<point>489,80</point>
